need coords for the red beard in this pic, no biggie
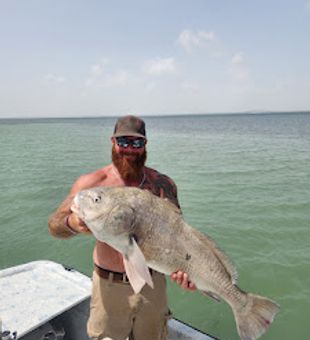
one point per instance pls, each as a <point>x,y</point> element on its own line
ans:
<point>129,169</point>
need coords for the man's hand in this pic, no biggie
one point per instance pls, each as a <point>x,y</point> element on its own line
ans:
<point>181,279</point>
<point>77,225</point>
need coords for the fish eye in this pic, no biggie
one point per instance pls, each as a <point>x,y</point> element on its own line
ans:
<point>97,199</point>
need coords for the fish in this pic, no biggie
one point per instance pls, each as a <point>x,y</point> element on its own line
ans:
<point>150,232</point>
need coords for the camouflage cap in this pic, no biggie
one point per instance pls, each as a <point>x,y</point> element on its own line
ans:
<point>129,126</point>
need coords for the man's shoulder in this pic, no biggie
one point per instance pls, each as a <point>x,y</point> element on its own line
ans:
<point>155,175</point>
<point>92,179</point>
<point>162,185</point>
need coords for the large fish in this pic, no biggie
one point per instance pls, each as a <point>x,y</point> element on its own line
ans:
<point>150,232</point>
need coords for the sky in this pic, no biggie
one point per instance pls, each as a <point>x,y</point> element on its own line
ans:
<point>153,57</point>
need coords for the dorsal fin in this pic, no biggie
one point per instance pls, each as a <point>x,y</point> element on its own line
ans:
<point>221,256</point>
<point>230,268</point>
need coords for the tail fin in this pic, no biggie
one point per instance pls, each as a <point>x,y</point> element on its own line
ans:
<point>254,319</point>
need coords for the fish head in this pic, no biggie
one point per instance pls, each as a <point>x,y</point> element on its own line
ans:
<point>92,204</point>
<point>105,214</point>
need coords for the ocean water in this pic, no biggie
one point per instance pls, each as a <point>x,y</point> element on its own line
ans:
<point>242,179</point>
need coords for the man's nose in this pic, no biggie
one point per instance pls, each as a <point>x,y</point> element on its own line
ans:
<point>132,149</point>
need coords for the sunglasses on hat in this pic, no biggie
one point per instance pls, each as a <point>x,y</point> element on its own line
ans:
<point>124,142</point>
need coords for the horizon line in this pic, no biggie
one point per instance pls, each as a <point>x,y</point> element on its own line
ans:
<point>250,112</point>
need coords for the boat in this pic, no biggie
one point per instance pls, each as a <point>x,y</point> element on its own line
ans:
<point>45,300</point>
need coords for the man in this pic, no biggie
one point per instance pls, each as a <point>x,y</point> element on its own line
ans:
<point>115,310</point>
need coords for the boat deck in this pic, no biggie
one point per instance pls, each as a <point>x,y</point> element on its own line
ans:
<point>43,296</point>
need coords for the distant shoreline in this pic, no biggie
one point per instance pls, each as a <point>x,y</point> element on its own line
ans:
<point>177,115</point>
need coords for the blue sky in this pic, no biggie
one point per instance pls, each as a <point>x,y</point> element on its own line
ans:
<point>89,58</point>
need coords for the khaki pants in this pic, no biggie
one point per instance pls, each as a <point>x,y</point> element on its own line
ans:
<point>117,313</point>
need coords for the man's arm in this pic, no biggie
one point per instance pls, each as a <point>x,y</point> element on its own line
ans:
<point>59,221</point>
<point>166,188</point>
<point>63,223</point>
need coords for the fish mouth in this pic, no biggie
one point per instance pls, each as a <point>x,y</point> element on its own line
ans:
<point>75,206</point>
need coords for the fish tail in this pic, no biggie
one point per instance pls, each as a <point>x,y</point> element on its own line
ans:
<point>254,318</point>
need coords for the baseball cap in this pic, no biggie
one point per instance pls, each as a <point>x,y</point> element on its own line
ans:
<point>129,126</point>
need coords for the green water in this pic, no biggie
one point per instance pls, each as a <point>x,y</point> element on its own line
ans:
<point>243,179</point>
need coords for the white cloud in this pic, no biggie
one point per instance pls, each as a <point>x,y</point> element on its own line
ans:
<point>96,70</point>
<point>237,58</point>
<point>160,66</point>
<point>119,78</point>
<point>189,39</point>
<point>100,76</point>
<point>237,68</point>
<point>54,78</point>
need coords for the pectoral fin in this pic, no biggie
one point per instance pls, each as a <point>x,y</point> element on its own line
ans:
<point>136,268</point>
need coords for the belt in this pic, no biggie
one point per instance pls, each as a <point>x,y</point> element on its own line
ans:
<point>115,276</point>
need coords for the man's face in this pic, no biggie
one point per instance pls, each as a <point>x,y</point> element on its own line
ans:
<point>129,156</point>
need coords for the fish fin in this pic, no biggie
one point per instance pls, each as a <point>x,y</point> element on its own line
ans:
<point>221,256</point>
<point>136,268</point>
<point>211,295</point>
<point>255,317</point>
<point>227,264</point>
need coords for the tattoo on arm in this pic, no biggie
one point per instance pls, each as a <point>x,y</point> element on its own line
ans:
<point>56,224</point>
<point>165,188</point>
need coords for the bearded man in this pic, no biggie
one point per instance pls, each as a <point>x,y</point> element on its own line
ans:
<point>116,311</point>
